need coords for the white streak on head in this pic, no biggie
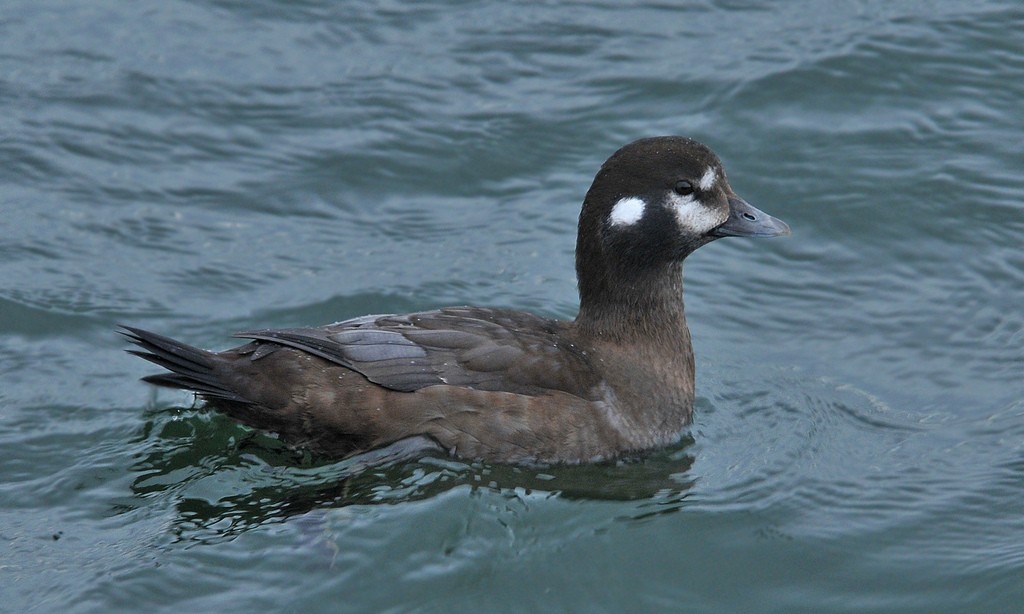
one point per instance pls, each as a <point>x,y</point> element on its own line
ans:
<point>707,180</point>
<point>693,216</point>
<point>627,211</point>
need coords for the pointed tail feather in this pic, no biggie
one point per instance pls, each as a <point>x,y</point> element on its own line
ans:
<point>191,368</point>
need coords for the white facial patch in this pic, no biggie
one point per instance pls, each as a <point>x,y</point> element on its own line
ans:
<point>693,215</point>
<point>708,179</point>
<point>627,211</point>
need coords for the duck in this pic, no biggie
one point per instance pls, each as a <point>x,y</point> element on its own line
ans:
<point>501,385</point>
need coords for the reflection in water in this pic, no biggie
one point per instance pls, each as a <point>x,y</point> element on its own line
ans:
<point>228,479</point>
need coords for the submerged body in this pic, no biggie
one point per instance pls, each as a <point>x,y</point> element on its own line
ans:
<point>502,385</point>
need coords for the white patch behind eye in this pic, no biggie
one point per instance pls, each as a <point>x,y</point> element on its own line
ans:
<point>707,180</point>
<point>693,215</point>
<point>627,211</point>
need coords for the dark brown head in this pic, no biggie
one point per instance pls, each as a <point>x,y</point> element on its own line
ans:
<point>653,203</point>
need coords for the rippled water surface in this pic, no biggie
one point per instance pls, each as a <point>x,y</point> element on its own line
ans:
<point>202,167</point>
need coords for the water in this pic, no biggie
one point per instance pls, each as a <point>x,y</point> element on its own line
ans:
<point>203,167</point>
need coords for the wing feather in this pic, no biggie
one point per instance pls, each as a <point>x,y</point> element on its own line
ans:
<point>483,349</point>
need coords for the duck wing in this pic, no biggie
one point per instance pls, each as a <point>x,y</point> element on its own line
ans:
<point>482,349</point>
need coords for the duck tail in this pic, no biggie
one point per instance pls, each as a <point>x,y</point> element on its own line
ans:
<point>190,367</point>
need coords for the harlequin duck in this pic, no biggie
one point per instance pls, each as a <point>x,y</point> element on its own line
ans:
<point>495,384</point>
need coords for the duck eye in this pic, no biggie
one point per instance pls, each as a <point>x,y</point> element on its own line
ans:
<point>684,188</point>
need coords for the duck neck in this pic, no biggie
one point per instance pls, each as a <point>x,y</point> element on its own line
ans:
<point>637,305</point>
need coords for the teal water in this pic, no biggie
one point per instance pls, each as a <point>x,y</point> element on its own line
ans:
<point>207,166</point>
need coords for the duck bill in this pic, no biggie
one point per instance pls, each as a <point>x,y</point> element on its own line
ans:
<point>746,220</point>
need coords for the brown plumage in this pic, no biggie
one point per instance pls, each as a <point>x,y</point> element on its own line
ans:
<point>496,384</point>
